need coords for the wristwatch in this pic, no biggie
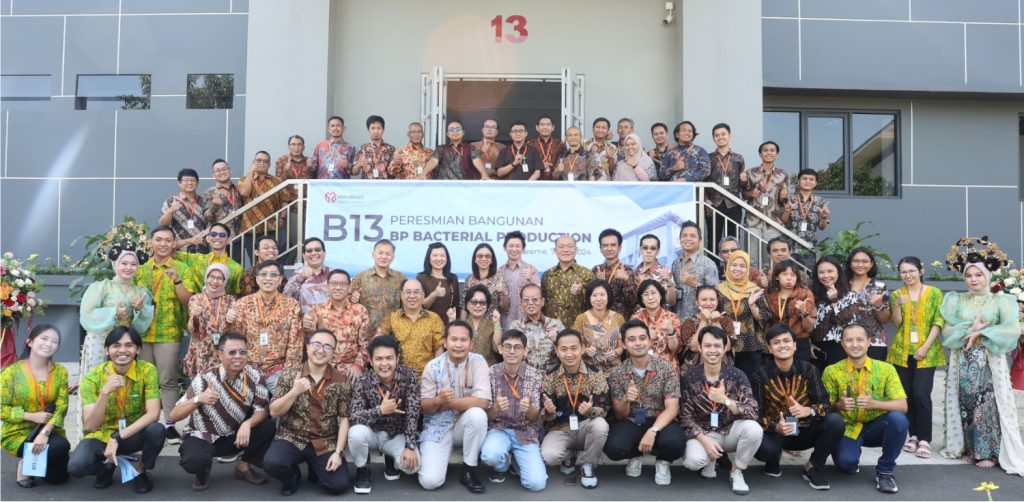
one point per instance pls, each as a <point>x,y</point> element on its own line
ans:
<point>46,433</point>
<point>728,403</point>
<point>195,400</point>
<point>656,429</point>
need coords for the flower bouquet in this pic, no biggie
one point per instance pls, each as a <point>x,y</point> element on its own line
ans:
<point>19,299</point>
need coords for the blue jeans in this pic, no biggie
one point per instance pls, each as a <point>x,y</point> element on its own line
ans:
<point>888,431</point>
<point>495,453</point>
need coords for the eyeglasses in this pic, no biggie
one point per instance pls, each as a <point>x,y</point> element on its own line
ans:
<point>454,129</point>
<point>410,292</point>
<point>484,257</point>
<point>215,278</point>
<point>337,284</point>
<point>262,161</point>
<point>314,250</point>
<point>322,346</point>
<point>513,348</point>
<point>909,272</point>
<point>727,251</point>
<point>219,235</point>
<point>237,352</point>
<point>532,300</point>
<point>479,303</point>
<point>649,248</point>
<point>268,275</point>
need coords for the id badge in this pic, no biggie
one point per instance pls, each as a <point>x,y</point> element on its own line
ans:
<point>526,167</point>
<point>419,169</point>
<point>330,167</point>
<point>215,337</point>
<point>570,177</point>
<point>725,180</point>
<point>574,422</point>
<point>736,327</point>
<point>914,337</point>
<point>764,200</point>
<point>191,224</point>
<point>264,338</point>
<point>376,173</point>
<point>714,419</point>
<point>803,226</point>
<point>487,166</point>
<point>640,415</point>
<point>122,424</point>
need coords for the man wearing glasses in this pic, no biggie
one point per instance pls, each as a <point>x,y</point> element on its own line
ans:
<point>453,161</point>
<point>519,161</point>
<point>410,160</point>
<point>550,149</point>
<point>347,320</point>
<point>540,330</point>
<point>222,198</point>
<point>184,212</point>
<point>309,285</point>
<point>270,321</point>
<point>726,246</point>
<point>485,151</point>
<point>651,268</point>
<point>258,182</point>
<point>227,410</point>
<point>217,240</point>
<point>419,331</point>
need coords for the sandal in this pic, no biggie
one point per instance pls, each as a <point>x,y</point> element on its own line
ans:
<point>924,450</point>
<point>911,445</point>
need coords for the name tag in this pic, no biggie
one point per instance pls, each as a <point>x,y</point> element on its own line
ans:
<point>574,422</point>
<point>570,177</point>
<point>264,338</point>
<point>487,166</point>
<point>714,419</point>
<point>191,224</point>
<point>330,167</point>
<point>419,169</point>
<point>376,173</point>
<point>725,180</point>
<point>215,337</point>
<point>803,226</point>
<point>764,200</point>
<point>526,167</point>
<point>122,424</point>
<point>914,337</point>
<point>736,327</point>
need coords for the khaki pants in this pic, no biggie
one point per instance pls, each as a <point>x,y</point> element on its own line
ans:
<point>590,438</point>
<point>744,438</point>
<point>165,357</point>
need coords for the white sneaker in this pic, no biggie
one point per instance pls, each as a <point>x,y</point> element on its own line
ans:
<point>568,465</point>
<point>708,472</point>
<point>587,477</point>
<point>634,466</point>
<point>739,485</point>
<point>662,473</point>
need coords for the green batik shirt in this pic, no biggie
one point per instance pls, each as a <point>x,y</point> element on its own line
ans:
<point>169,315</point>
<point>876,378</point>
<point>141,384</point>
<point>918,316</point>
<point>20,394</point>
<point>556,285</point>
<point>198,262</point>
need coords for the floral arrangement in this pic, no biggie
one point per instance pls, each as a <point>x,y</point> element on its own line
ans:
<point>1008,280</point>
<point>19,290</point>
<point>96,262</point>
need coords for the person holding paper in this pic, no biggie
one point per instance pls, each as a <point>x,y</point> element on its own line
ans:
<point>795,411</point>
<point>33,405</point>
<point>121,403</point>
<point>226,407</point>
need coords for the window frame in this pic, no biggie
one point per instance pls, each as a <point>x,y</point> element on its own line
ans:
<point>847,115</point>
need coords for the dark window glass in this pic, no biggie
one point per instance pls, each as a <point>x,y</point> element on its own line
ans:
<point>25,92</point>
<point>113,92</point>
<point>210,91</point>
<point>825,151</point>
<point>873,153</point>
<point>784,129</point>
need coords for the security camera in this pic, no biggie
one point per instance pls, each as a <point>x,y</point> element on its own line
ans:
<point>669,16</point>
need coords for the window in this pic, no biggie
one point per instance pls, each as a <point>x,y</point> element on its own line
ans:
<point>210,91</point>
<point>854,152</point>
<point>25,92</point>
<point>505,101</point>
<point>113,92</point>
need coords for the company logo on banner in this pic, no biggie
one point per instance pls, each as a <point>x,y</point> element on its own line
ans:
<point>351,215</point>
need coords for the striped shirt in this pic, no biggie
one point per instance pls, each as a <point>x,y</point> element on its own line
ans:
<point>240,399</point>
<point>514,282</point>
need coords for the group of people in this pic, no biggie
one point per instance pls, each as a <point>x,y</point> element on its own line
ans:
<point>520,369</point>
<point>765,187</point>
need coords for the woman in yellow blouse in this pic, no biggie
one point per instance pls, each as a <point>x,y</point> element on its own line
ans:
<point>915,351</point>
<point>33,405</point>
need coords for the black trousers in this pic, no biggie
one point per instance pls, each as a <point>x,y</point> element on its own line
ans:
<point>57,455</point>
<point>721,227</point>
<point>197,454</point>
<point>823,435</point>
<point>88,456</point>
<point>917,384</point>
<point>749,363</point>
<point>624,440</point>
<point>282,462</point>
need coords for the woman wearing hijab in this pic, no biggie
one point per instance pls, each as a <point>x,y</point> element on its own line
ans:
<point>980,329</point>
<point>636,165</point>
<point>744,308</point>
<point>207,319</point>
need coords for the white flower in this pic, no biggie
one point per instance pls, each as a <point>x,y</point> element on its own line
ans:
<point>15,272</point>
<point>1014,273</point>
<point>31,294</point>
<point>1009,281</point>
<point>1020,297</point>
<point>20,283</point>
<point>9,255</point>
<point>1016,290</point>
<point>31,302</point>
<point>16,308</point>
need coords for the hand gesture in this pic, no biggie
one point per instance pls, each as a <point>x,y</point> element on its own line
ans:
<point>231,316</point>
<point>309,161</point>
<point>113,383</point>
<point>309,321</point>
<point>195,310</point>
<point>440,291</point>
<point>712,448</point>
<point>576,287</point>
<point>846,403</point>
<point>175,205</point>
<point>354,296</point>
<point>799,305</point>
<point>501,402</point>
<point>600,274</point>
<point>301,384</point>
<point>527,274</point>
<point>832,293</point>
<point>446,395</point>
<point>866,402</point>
<point>762,280</point>
<point>977,325</point>
<point>715,316</point>
<point>876,299</point>
<point>388,404</point>
<point>755,193</point>
<point>524,404</point>
<point>743,176</point>
<point>549,405</point>
<point>209,396</point>
<point>495,317</point>
<point>754,297</point>
<point>783,427</point>
<point>797,410</point>
<point>137,303</point>
<point>666,327</point>
<point>591,351</point>
<point>585,407</point>
<point>307,272</point>
<point>717,393</point>
<point>902,300</point>
<point>451,313</point>
<point>172,274</point>
<point>122,311</point>
<point>825,212</point>
<point>632,392</point>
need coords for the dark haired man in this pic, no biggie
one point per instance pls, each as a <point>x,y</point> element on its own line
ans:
<point>184,212</point>
<point>373,158</point>
<point>453,161</point>
<point>726,166</point>
<point>808,213</point>
<point>601,151</point>
<point>550,149</point>
<point>619,275</point>
<point>766,188</point>
<point>333,156</point>
<point>519,161</point>
<point>517,274</point>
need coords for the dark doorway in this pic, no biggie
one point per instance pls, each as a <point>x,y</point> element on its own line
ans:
<point>473,101</point>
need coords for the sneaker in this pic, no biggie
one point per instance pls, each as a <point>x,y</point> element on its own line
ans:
<point>496,477</point>
<point>662,472</point>
<point>142,483</point>
<point>587,477</point>
<point>886,483</point>
<point>362,484</point>
<point>708,472</point>
<point>739,485</point>
<point>774,471</point>
<point>634,467</point>
<point>230,459</point>
<point>513,468</point>
<point>390,473</point>
<point>253,475</point>
<point>568,465</point>
<point>201,482</point>
<point>172,435</point>
<point>104,479</point>
<point>816,479</point>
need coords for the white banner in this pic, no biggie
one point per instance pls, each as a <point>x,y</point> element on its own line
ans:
<point>351,215</point>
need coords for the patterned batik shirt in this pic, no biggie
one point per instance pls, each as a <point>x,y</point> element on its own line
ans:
<point>374,160</point>
<point>409,161</point>
<point>278,324</point>
<point>169,315</point>
<point>588,383</point>
<point>351,327</point>
<point>470,378</point>
<point>771,203</point>
<point>775,389</point>
<point>658,382</point>
<point>524,384</point>
<point>405,390</point>
<point>540,339</point>
<point>316,415</point>
<point>692,163</point>
<point>333,159</point>
<point>188,221</point>
<point>623,294</point>
<point>556,285</point>
<point>696,406</point>
<point>240,399</point>
<point>876,379</point>
<point>703,269</point>
<point>805,219</point>
<point>230,200</point>
<point>725,168</point>
<point>420,339</point>
<point>380,295</point>
<point>310,290</point>
<point>142,383</point>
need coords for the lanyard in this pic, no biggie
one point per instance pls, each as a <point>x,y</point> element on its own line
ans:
<point>575,398</point>
<point>214,311</point>
<point>319,393</point>
<point>782,307</point>
<point>121,396</point>
<point>860,382</point>
<point>707,389</point>
<point>725,170</point>
<point>231,194</point>
<point>259,311</point>
<point>155,278</point>
<point>512,385</point>
<point>545,152</point>
<point>375,159</point>
<point>394,390</point>
<point>800,203</point>
<point>234,394</point>
<point>915,312</point>
<point>34,385</point>
<point>516,151</point>
<point>766,182</point>
<point>190,210</point>
<point>737,307</point>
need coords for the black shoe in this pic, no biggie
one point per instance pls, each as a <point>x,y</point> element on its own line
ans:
<point>470,481</point>
<point>290,488</point>
<point>362,480</point>
<point>773,471</point>
<point>201,482</point>
<point>172,436</point>
<point>28,482</point>
<point>496,477</point>
<point>886,483</point>
<point>513,469</point>
<point>142,483</point>
<point>815,478</point>
<point>390,473</point>
<point>104,479</point>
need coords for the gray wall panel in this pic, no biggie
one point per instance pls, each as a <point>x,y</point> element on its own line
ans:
<point>30,217</point>
<point>882,55</point>
<point>167,138</point>
<point>84,146</point>
<point>91,48</point>
<point>31,45</point>
<point>860,9</point>
<point>170,47</point>
<point>237,158</point>
<point>84,210</point>
<point>63,6</point>
<point>991,210</point>
<point>989,63</point>
<point>779,50</point>
<point>142,198</point>
<point>779,8</point>
<point>240,6</point>
<point>990,11</point>
<point>989,127</point>
<point>171,6</point>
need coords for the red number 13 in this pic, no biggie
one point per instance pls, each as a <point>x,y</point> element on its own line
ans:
<point>518,24</point>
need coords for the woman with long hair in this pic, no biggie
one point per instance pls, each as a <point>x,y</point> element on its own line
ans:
<point>599,326</point>
<point>485,271</point>
<point>440,285</point>
<point>791,303</point>
<point>837,307</point>
<point>663,324</point>
<point>861,273</point>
